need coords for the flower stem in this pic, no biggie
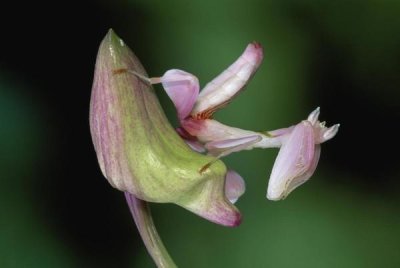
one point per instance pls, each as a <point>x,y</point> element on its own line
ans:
<point>141,214</point>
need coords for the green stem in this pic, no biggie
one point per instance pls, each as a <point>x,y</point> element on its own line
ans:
<point>144,221</point>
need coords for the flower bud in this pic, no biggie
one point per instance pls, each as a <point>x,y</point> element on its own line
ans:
<point>138,150</point>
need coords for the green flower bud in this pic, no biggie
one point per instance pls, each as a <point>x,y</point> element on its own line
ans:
<point>138,150</point>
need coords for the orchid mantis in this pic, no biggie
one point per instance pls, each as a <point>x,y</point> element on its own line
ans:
<point>300,144</point>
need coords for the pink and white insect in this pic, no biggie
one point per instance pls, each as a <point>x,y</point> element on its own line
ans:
<point>299,144</point>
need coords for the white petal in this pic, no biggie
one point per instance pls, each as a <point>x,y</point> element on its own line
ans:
<point>183,89</point>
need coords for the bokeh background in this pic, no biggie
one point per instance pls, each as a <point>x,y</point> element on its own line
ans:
<point>57,210</point>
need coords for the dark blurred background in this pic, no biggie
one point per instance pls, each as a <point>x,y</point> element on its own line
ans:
<point>57,210</point>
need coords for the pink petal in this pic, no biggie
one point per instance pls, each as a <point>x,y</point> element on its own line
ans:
<point>224,147</point>
<point>224,87</point>
<point>234,186</point>
<point>209,130</point>
<point>182,88</point>
<point>296,182</point>
<point>295,159</point>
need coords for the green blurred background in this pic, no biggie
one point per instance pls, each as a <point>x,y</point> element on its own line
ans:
<point>56,209</point>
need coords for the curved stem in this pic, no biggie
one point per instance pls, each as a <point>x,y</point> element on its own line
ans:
<point>141,214</point>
